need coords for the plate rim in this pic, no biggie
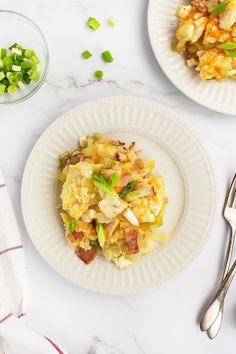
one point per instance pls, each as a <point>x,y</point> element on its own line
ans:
<point>135,289</point>
<point>217,108</point>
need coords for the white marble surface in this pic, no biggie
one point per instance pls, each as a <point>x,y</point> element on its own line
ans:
<point>164,321</point>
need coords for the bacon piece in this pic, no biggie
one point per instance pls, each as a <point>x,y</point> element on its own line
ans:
<point>138,165</point>
<point>131,238</point>
<point>116,143</point>
<point>78,235</point>
<point>73,160</point>
<point>125,179</point>
<point>110,228</point>
<point>87,256</point>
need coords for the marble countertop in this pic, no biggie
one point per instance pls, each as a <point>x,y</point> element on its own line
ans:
<point>164,321</point>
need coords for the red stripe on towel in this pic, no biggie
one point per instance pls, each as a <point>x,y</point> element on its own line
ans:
<point>11,249</point>
<point>6,317</point>
<point>2,185</point>
<point>54,345</point>
<point>21,315</point>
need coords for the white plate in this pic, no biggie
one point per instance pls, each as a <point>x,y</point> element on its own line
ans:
<point>181,159</point>
<point>220,97</point>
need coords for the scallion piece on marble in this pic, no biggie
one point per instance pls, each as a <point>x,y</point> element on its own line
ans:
<point>107,57</point>
<point>93,23</point>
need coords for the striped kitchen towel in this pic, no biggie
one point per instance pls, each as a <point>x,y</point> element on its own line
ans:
<point>15,336</point>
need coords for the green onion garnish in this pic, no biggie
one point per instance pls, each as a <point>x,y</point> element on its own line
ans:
<point>112,21</point>
<point>130,186</point>
<point>231,53</point>
<point>72,225</point>
<point>3,53</point>
<point>93,23</point>
<point>86,54</point>
<point>93,242</point>
<point>227,45</point>
<point>101,183</point>
<point>113,180</point>
<point>98,74</point>
<point>2,75</point>
<point>219,8</point>
<point>2,88</point>
<point>18,67</point>
<point>12,90</point>
<point>107,57</point>
<point>101,234</point>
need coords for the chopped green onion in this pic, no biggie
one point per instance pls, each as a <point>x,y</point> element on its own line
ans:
<point>93,242</point>
<point>101,234</point>
<point>227,46</point>
<point>113,180</point>
<point>35,59</point>
<point>16,45</point>
<point>86,54</point>
<point>130,186</point>
<point>231,53</point>
<point>219,8</point>
<point>28,53</point>
<point>101,183</point>
<point>21,85</point>
<point>98,74</point>
<point>16,51</point>
<point>112,21</point>
<point>27,79</point>
<point>135,195</point>
<point>12,90</point>
<point>2,75</point>
<point>2,88</point>
<point>25,65</point>
<point>72,225</point>
<point>16,67</point>
<point>3,53</point>
<point>107,57</point>
<point>93,23</point>
<point>35,76</point>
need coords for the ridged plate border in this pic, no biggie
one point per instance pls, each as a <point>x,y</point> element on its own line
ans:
<point>141,117</point>
<point>220,97</point>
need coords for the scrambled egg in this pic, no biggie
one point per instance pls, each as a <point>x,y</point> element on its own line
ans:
<point>206,35</point>
<point>78,191</point>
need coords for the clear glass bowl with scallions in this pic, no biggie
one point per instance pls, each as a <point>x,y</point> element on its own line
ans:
<point>23,57</point>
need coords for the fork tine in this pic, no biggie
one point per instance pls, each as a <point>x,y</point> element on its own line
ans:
<point>231,193</point>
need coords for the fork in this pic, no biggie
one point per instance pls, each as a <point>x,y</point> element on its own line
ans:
<point>213,314</point>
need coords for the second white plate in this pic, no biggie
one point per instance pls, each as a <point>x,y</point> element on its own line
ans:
<point>220,97</point>
<point>181,159</point>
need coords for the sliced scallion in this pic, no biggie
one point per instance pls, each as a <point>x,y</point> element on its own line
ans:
<point>112,21</point>
<point>86,54</point>
<point>219,8</point>
<point>12,90</point>
<point>107,57</point>
<point>98,74</point>
<point>93,23</point>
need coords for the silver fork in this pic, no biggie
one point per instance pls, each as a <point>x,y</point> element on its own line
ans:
<point>213,314</point>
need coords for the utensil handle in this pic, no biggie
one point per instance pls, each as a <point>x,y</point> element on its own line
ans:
<point>214,306</point>
<point>229,251</point>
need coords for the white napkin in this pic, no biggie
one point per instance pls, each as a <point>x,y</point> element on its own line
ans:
<point>15,336</point>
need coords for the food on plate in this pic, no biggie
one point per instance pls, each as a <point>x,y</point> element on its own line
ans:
<point>206,36</point>
<point>99,74</point>
<point>112,21</point>
<point>111,201</point>
<point>18,67</point>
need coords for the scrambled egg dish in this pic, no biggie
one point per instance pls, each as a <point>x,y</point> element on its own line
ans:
<point>111,202</point>
<point>206,36</point>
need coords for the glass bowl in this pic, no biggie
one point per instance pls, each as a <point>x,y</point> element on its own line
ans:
<point>17,28</point>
